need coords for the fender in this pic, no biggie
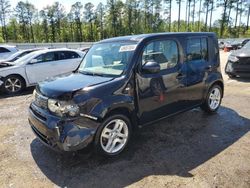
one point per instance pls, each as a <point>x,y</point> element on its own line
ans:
<point>213,78</point>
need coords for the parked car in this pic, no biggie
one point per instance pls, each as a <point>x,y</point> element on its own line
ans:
<point>243,42</point>
<point>18,55</point>
<point>37,66</point>
<point>238,63</point>
<point>6,51</point>
<point>221,45</point>
<point>85,49</point>
<point>124,83</point>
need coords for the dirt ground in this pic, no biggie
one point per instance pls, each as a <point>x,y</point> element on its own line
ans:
<point>189,150</point>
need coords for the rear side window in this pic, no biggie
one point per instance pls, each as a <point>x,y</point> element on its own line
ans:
<point>3,50</point>
<point>163,52</point>
<point>197,49</point>
<point>68,55</point>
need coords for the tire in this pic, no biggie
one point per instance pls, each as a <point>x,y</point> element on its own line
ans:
<point>209,106</point>
<point>108,136</point>
<point>13,84</point>
<point>231,75</point>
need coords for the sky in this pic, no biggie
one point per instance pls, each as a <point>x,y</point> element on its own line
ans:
<point>39,4</point>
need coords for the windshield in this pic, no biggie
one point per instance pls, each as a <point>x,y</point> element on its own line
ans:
<point>110,59</point>
<point>247,45</point>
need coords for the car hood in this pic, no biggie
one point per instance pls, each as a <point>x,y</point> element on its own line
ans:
<point>241,53</point>
<point>65,86</point>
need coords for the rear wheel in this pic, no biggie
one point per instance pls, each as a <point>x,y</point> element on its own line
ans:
<point>213,99</point>
<point>113,135</point>
<point>13,84</point>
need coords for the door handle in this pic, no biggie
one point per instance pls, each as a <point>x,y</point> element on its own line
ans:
<point>209,68</point>
<point>180,76</point>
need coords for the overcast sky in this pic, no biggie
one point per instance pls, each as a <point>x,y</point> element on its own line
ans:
<point>40,4</point>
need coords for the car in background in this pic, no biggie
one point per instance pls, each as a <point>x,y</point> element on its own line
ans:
<point>85,50</point>
<point>18,55</point>
<point>238,63</point>
<point>38,66</point>
<point>243,43</point>
<point>221,45</point>
<point>6,51</point>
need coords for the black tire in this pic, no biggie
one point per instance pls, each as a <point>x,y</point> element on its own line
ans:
<point>231,75</point>
<point>206,105</point>
<point>17,89</point>
<point>97,141</point>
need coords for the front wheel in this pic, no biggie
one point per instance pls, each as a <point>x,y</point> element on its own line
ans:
<point>13,84</point>
<point>113,135</point>
<point>213,100</point>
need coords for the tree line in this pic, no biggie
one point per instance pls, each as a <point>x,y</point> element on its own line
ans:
<point>86,22</point>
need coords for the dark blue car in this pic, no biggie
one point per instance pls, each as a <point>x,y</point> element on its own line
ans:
<point>124,83</point>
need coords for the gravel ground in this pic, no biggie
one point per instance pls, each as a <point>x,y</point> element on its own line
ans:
<point>188,150</point>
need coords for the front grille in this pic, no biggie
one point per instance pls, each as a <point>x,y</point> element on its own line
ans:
<point>244,60</point>
<point>40,116</point>
<point>40,100</point>
<point>40,135</point>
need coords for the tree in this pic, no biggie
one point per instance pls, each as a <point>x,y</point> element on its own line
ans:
<point>76,13</point>
<point>248,14</point>
<point>100,19</point>
<point>44,16</point>
<point>89,17</point>
<point>199,16</point>
<point>224,4</point>
<point>179,13</point>
<point>168,12</point>
<point>4,11</point>
<point>211,13</point>
<point>59,14</point>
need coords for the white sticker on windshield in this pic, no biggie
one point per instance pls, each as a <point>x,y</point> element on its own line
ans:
<point>127,48</point>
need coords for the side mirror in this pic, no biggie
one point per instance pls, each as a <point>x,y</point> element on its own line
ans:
<point>151,67</point>
<point>32,61</point>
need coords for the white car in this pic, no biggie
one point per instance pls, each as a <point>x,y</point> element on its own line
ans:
<point>6,51</point>
<point>37,66</point>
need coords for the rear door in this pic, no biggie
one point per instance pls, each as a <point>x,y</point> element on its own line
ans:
<point>161,94</point>
<point>68,61</point>
<point>197,67</point>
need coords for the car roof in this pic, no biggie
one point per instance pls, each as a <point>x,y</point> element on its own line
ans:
<point>54,50</point>
<point>140,37</point>
<point>8,46</point>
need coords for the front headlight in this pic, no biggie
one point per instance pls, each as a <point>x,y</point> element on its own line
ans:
<point>233,58</point>
<point>62,108</point>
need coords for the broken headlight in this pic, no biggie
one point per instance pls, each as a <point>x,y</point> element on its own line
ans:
<point>62,108</point>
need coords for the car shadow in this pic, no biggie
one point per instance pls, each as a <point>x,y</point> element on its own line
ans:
<point>242,79</point>
<point>26,91</point>
<point>174,146</point>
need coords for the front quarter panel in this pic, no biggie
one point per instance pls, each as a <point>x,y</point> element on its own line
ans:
<point>101,100</point>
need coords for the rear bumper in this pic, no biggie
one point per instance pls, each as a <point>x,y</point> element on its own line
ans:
<point>61,134</point>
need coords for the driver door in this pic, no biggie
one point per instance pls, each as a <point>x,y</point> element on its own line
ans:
<point>160,94</point>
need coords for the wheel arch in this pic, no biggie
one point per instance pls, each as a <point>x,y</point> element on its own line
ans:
<point>20,76</point>
<point>128,112</point>
<point>220,83</point>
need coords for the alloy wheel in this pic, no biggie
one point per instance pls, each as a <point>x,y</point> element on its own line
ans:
<point>13,85</point>
<point>114,136</point>
<point>214,98</point>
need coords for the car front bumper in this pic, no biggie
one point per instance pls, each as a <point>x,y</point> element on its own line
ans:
<point>61,134</point>
<point>237,69</point>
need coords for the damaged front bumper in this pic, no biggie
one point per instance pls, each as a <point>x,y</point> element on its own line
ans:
<point>61,134</point>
